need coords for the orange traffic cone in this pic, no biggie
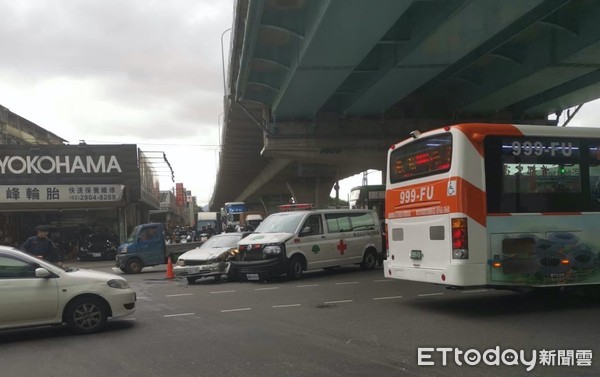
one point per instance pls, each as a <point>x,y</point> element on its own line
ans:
<point>170,274</point>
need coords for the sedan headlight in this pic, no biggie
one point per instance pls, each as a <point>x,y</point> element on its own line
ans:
<point>233,252</point>
<point>180,262</point>
<point>272,250</point>
<point>123,250</point>
<point>118,284</point>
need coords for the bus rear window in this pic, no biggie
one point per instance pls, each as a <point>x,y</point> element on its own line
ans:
<point>530,174</point>
<point>420,158</point>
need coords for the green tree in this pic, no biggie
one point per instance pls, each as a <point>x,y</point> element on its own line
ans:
<point>337,203</point>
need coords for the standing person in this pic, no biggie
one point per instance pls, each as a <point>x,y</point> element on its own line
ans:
<point>42,246</point>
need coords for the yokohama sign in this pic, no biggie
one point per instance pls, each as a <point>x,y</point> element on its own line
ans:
<point>59,164</point>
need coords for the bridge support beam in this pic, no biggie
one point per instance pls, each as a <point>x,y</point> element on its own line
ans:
<point>311,190</point>
<point>264,177</point>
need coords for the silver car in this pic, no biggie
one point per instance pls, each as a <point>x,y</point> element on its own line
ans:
<point>209,259</point>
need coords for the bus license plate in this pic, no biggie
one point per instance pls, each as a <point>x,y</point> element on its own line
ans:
<point>416,254</point>
<point>252,276</point>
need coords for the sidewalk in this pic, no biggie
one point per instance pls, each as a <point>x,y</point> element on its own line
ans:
<point>89,264</point>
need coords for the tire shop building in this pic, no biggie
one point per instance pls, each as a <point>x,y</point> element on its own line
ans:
<point>76,189</point>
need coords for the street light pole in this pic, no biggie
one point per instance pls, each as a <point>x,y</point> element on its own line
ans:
<point>223,62</point>
<point>219,122</point>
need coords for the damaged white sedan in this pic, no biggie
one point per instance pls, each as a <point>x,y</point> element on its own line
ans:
<point>209,259</point>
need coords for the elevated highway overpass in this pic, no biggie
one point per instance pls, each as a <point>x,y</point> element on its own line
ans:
<point>317,90</point>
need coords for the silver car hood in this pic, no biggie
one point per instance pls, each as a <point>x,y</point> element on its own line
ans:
<point>203,254</point>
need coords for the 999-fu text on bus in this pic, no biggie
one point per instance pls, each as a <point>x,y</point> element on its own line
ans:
<point>495,205</point>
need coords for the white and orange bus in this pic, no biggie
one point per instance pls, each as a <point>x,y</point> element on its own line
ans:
<point>495,205</point>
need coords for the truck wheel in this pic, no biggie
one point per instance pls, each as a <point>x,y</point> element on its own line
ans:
<point>295,268</point>
<point>133,266</point>
<point>86,315</point>
<point>369,260</point>
<point>217,278</point>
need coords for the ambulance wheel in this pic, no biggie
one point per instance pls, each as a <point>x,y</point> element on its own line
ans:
<point>296,268</point>
<point>369,260</point>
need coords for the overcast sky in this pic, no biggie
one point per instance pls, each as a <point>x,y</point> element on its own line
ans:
<point>107,71</point>
<point>147,72</point>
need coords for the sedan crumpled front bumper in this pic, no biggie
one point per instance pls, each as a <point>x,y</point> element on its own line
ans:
<point>201,270</point>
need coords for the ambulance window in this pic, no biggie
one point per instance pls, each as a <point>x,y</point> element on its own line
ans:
<point>362,221</point>
<point>337,222</point>
<point>312,226</point>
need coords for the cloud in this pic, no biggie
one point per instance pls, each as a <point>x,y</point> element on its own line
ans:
<point>119,71</point>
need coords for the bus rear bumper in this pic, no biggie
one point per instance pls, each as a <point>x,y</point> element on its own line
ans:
<point>458,275</point>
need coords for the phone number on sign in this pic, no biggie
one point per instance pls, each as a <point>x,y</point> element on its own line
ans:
<point>93,197</point>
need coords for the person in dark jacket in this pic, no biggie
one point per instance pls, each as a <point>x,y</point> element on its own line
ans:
<point>42,246</point>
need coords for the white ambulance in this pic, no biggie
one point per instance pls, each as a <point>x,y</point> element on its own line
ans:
<point>292,242</point>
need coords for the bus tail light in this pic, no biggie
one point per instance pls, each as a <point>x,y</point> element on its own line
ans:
<point>387,241</point>
<point>460,246</point>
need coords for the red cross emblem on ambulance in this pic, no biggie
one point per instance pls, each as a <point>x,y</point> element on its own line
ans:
<point>342,247</point>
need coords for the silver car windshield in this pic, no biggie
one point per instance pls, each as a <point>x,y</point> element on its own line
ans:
<point>284,222</point>
<point>225,240</point>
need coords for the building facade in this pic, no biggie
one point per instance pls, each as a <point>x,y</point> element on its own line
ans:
<point>76,189</point>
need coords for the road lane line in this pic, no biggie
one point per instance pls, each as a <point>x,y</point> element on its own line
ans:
<point>286,306</point>
<point>430,294</point>
<point>265,289</point>
<point>235,310</point>
<point>387,298</point>
<point>475,291</point>
<point>383,281</point>
<point>307,285</point>
<point>177,315</point>
<point>181,294</point>
<point>337,302</point>
<point>347,282</point>
<point>217,292</point>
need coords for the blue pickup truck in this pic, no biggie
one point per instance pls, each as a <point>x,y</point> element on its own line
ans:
<point>146,246</point>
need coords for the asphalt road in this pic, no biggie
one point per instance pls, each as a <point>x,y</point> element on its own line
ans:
<point>345,322</point>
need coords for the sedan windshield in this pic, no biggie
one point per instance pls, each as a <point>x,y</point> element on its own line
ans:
<point>284,222</point>
<point>225,240</point>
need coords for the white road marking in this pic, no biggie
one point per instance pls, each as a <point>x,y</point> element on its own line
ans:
<point>387,298</point>
<point>307,285</point>
<point>181,294</point>
<point>383,281</point>
<point>337,302</point>
<point>475,291</point>
<point>430,294</point>
<point>217,292</point>
<point>286,306</point>
<point>265,289</point>
<point>347,282</point>
<point>177,315</point>
<point>235,310</point>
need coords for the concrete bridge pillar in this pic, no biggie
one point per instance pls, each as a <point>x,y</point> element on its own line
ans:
<point>311,190</point>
